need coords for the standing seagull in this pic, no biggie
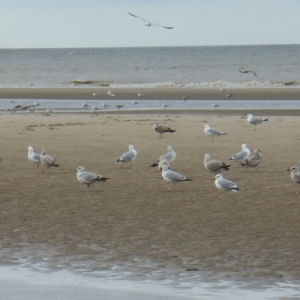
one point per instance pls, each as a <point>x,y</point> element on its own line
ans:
<point>87,177</point>
<point>47,160</point>
<point>295,175</point>
<point>242,155</point>
<point>212,132</point>
<point>148,23</point>
<point>242,70</point>
<point>172,176</point>
<point>255,120</point>
<point>254,160</point>
<point>225,184</point>
<point>34,157</point>
<point>214,166</point>
<point>169,156</point>
<point>162,129</point>
<point>128,156</point>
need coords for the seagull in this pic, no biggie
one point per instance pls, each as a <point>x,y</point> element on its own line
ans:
<point>119,106</point>
<point>165,105</point>
<point>184,98</point>
<point>47,160</point>
<point>110,93</point>
<point>242,70</point>
<point>128,156</point>
<point>216,105</point>
<point>172,176</point>
<point>254,160</point>
<point>141,95</point>
<point>104,105</point>
<point>255,120</point>
<point>229,95</point>
<point>162,129</point>
<point>169,156</point>
<point>225,184</point>
<point>212,132</point>
<point>96,94</point>
<point>34,157</point>
<point>214,166</point>
<point>242,155</point>
<point>148,23</point>
<point>83,105</point>
<point>295,175</point>
<point>134,102</point>
<point>87,177</point>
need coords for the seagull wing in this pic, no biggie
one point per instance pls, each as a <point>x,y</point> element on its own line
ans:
<point>167,27</point>
<point>140,18</point>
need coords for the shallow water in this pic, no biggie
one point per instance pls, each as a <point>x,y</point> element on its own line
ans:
<point>22,283</point>
<point>89,105</point>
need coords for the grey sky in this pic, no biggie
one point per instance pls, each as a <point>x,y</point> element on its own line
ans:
<point>105,23</point>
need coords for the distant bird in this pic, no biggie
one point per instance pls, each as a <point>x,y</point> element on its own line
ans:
<point>225,185</point>
<point>253,161</point>
<point>222,89</point>
<point>165,105</point>
<point>95,108</point>
<point>148,23</point>
<point>22,107</point>
<point>128,156</point>
<point>96,94</point>
<point>34,157</point>
<point>214,166</point>
<point>255,120</point>
<point>119,106</point>
<point>104,105</point>
<point>169,156</point>
<point>216,105</point>
<point>47,160</point>
<point>83,105</point>
<point>134,102</point>
<point>295,175</point>
<point>87,177</point>
<point>110,93</point>
<point>242,155</point>
<point>172,176</point>
<point>162,129</point>
<point>141,95</point>
<point>185,98</point>
<point>49,110</point>
<point>229,95</point>
<point>242,70</point>
<point>212,132</point>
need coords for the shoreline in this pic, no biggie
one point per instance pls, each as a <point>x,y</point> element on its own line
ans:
<point>161,93</point>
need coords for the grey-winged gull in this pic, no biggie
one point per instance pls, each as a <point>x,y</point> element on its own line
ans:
<point>87,177</point>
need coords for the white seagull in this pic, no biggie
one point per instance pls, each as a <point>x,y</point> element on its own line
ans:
<point>255,120</point>
<point>295,175</point>
<point>128,156</point>
<point>225,184</point>
<point>148,23</point>
<point>242,155</point>
<point>34,157</point>
<point>88,178</point>
<point>172,176</point>
<point>212,132</point>
<point>169,156</point>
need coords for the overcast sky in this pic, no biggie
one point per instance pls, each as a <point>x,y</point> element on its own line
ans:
<point>106,23</point>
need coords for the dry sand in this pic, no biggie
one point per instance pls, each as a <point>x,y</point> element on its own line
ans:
<point>131,220</point>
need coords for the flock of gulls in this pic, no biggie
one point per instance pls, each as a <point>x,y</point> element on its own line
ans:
<point>215,166</point>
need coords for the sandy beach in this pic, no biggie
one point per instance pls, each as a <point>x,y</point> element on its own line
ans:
<point>161,93</point>
<point>131,221</point>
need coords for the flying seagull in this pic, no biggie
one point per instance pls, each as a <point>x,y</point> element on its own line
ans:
<point>242,70</point>
<point>148,23</point>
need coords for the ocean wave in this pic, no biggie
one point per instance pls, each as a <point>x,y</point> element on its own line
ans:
<point>217,84</point>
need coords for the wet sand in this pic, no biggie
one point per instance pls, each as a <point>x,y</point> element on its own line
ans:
<point>161,93</point>
<point>131,221</point>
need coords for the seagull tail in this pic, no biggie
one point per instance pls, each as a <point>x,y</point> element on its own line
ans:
<point>225,167</point>
<point>236,189</point>
<point>265,120</point>
<point>119,161</point>
<point>102,179</point>
<point>223,133</point>
<point>188,179</point>
<point>172,130</point>
<point>155,164</point>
